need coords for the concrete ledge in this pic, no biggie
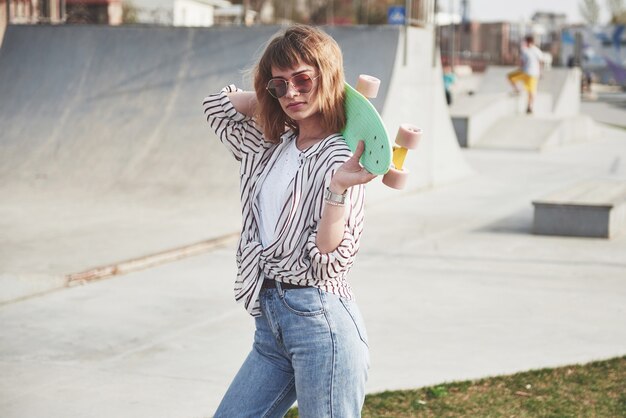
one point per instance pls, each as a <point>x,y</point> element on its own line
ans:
<point>520,133</point>
<point>526,133</point>
<point>472,116</point>
<point>595,209</point>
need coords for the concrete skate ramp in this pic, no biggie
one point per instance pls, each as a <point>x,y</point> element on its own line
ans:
<point>108,108</point>
<point>105,152</point>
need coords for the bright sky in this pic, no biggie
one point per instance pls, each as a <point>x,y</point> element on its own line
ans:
<point>514,10</point>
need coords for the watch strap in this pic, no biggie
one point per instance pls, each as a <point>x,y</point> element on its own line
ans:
<point>336,198</point>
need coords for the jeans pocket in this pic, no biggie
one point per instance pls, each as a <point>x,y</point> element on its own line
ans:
<point>355,314</point>
<point>304,302</point>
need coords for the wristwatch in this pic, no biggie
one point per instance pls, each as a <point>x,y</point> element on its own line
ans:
<point>335,198</point>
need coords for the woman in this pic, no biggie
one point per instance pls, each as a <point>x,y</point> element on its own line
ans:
<point>302,198</point>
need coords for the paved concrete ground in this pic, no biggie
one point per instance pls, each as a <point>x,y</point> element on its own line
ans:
<point>606,104</point>
<point>451,282</point>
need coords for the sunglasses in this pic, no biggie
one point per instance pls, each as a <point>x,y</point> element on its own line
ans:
<point>278,87</point>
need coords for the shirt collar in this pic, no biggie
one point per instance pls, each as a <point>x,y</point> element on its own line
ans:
<point>313,149</point>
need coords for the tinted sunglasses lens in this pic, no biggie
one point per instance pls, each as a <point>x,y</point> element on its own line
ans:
<point>277,88</point>
<point>302,83</point>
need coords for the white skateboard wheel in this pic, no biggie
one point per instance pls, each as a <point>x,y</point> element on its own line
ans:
<point>396,179</point>
<point>368,86</point>
<point>408,136</point>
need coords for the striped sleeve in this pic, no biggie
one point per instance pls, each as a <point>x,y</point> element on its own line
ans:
<point>336,263</point>
<point>235,130</point>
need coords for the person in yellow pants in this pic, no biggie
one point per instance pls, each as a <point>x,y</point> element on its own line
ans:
<point>528,74</point>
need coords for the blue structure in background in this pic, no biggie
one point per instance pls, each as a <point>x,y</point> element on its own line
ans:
<point>602,52</point>
<point>396,15</point>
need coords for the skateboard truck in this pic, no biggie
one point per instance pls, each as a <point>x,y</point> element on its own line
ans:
<point>407,138</point>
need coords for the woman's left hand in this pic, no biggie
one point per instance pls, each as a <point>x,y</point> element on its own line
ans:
<point>351,172</point>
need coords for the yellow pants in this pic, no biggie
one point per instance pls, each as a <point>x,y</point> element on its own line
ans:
<point>530,82</point>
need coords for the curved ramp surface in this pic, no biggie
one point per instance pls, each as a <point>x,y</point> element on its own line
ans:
<point>105,152</point>
<point>102,107</point>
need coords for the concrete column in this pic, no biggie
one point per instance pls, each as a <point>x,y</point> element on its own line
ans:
<point>4,9</point>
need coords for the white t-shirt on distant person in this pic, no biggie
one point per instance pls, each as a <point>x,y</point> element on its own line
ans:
<point>531,60</point>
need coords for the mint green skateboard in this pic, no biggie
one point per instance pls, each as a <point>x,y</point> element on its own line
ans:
<point>364,123</point>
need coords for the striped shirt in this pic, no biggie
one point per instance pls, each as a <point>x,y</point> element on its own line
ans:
<point>292,256</point>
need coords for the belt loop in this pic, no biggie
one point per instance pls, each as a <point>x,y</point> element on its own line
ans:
<point>279,288</point>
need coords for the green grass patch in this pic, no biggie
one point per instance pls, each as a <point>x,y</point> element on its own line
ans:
<point>596,389</point>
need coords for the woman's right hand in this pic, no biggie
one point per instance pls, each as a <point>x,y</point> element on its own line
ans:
<point>351,172</point>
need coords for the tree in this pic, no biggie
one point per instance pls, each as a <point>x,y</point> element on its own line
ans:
<point>129,13</point>
<point>618,11</point>
<point>590,11</point>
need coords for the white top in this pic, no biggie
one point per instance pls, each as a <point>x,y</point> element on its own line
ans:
<point>531,60</point>
<point>275,190</point>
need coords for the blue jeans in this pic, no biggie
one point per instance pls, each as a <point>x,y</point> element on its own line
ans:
<point>309,346</point>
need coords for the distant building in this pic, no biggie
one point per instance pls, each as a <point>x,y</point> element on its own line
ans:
<point>552,22</point>
<point>480,44</point>
<point>444,18</point>
<point>17,12</point>
<point>189,12</point>
<point>33,11</point>
<point>549,26</point>
<point>29,12</point>
<point>209,13</point>
<point>197,12</point>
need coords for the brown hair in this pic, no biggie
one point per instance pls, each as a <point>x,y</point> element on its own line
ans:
<point>301,44</point>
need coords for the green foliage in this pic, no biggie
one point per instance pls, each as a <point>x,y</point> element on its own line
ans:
<point>129,12</point>
<point>436,392</point>
<point>593,390</point>
<point>617,11</point>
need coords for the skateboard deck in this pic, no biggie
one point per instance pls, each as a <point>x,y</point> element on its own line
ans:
<point>364,123</point>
